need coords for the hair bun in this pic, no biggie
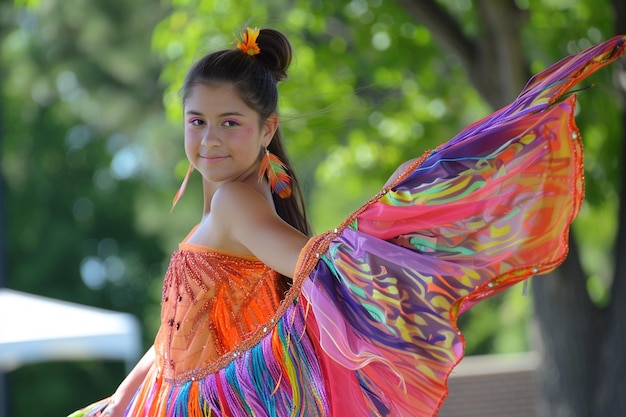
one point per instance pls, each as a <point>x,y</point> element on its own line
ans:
<point>275,52</point>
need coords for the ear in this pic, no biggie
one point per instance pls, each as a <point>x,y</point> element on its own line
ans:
<point>270,125</point>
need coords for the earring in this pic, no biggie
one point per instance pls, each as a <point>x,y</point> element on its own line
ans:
<point>273,169</point>
<point>182,187</point>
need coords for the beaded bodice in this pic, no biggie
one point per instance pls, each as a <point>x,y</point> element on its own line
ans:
<point>211,301</point>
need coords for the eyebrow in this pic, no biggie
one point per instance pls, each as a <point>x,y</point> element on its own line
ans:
<point>225,114</point>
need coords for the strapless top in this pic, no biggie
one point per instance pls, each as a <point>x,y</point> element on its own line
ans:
<point>212,300</point>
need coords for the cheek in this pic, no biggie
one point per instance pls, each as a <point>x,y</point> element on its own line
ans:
<point>192,136</point>
<point>248,145</point>
<point>190,143</point>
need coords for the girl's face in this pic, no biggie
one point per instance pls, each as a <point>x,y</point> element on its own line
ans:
<point>223,139</point>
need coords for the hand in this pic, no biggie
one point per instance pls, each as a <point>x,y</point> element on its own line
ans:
<point>111,410</point>
<point>116,405</point>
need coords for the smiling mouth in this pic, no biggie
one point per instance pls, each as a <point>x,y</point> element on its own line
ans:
<point>212,158</point>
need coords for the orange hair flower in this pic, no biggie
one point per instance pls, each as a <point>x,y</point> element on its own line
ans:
<point>246,42</point>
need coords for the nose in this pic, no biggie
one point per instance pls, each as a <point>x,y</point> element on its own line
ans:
<point>209,136</point>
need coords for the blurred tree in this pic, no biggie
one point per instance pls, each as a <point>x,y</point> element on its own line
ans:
<point>82,103</point>
<point>4,27</point>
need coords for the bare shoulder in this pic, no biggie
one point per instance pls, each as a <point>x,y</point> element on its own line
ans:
<point>248,223</point>
<point>238,199</point>
<point>237,209</point>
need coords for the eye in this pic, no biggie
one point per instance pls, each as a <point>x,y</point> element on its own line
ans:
<point>196,121</point>
<point>230,123</point>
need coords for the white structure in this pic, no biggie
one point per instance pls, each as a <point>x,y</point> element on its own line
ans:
<point>38,329</point>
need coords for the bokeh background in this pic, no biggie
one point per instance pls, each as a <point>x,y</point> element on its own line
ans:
<point>91,156</point>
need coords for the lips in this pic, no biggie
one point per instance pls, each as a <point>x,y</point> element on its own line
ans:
<point>212,158</point>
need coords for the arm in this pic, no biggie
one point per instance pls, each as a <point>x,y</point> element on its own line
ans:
<point>126,390</point>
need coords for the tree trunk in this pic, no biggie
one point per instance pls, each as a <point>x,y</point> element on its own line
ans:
<point>494,62</point>
<point>584,370</point>
<point>567,339</point>
<point>501,71</point>
<point>584,367</point>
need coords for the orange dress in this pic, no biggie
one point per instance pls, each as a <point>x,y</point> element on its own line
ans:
<point>212,302</point>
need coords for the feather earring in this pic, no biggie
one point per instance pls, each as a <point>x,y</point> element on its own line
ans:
<point>182,187</point>
<point>274,170</point>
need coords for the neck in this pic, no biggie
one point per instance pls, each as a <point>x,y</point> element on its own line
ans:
<point>208,189</point>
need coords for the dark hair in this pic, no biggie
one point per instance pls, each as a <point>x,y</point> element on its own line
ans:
<point>255,78</point>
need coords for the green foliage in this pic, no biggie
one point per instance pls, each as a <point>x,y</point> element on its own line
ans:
<point>80,101</point>
<point>61,387</point>
<point>498,325</point>
<point>64,131</point>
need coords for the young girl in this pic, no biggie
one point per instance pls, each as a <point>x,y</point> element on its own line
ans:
<point>259,319</point>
